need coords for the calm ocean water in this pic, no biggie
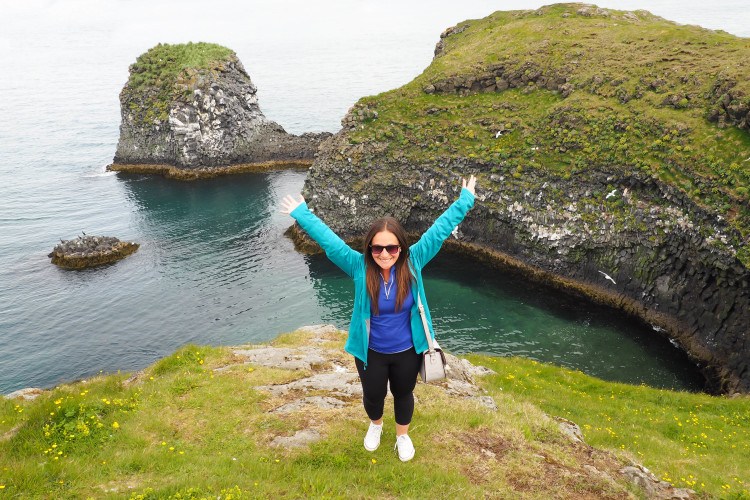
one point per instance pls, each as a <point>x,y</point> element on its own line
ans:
<point>214,266</point>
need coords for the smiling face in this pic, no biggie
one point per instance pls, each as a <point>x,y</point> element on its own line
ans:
<point>384,238</point>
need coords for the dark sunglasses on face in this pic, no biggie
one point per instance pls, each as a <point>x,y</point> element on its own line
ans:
<point>378,249</point>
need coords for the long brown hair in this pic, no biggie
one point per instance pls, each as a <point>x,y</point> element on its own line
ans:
<point>403,275</point>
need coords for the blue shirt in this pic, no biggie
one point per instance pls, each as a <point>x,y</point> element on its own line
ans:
<point>390,330</point>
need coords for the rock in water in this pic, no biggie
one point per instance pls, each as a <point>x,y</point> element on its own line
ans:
<point>193,105</point>
<point>90,251</point>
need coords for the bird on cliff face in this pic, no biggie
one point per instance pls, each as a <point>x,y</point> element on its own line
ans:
<point>607,276</point>
<point>611,194</point>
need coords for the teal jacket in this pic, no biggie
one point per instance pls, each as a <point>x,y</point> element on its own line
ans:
<point>353,264</point>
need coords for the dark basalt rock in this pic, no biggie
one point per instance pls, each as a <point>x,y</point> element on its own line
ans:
<point>200,117</point>
<point>89,251</point>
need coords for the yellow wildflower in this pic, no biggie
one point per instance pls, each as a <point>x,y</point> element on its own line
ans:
<point>115,425</point>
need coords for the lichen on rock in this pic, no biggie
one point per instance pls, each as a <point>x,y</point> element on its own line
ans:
<point>193,106</point>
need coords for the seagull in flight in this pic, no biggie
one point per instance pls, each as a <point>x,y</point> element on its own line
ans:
<point>607,276</point>
<point>611,194</point>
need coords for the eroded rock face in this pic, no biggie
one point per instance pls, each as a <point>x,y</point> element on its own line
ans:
<point>208,117</point>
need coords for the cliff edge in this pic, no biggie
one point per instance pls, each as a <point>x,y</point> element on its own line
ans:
<point>193,106</point>
<point>613,157</point>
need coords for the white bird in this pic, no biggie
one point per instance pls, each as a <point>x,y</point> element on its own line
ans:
<point>611,194</point>
<point>607,276</point>
<point>498,133</point>
<point>455,233</point>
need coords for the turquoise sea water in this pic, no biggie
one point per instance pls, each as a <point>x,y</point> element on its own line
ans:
<point>214,266</point>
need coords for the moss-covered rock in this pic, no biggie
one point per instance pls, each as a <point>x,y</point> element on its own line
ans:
<point>194,106</point>
<point>605,142</point>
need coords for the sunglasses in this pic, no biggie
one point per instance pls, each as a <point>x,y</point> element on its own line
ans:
<point>378,249</point>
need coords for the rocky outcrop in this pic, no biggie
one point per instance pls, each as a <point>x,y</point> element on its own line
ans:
<point>90,251</point>
<point>194,106</point>
<point>608,197</point>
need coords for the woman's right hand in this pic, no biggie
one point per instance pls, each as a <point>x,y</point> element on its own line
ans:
<point>288,204</point>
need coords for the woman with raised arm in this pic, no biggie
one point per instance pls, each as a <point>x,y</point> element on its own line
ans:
<point>386,335</point>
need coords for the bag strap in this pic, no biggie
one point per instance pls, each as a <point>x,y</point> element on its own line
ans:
<point>430,347</point>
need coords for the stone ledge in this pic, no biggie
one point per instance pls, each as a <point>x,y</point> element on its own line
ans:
<point>192,174</point>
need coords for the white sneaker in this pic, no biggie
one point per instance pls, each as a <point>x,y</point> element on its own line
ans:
<point>372,439</point>
<point>405,448</point>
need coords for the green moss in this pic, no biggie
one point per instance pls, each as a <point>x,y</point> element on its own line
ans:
<point>155,75</point>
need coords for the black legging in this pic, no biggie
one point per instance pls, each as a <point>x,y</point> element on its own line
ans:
<point>401,371</point>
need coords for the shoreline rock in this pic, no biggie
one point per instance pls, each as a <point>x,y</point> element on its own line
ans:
<point>193,106</point>
<point>182,174</point>
<point>90,251</point>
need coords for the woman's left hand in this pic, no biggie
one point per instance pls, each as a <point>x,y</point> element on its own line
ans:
<point>472,182</point>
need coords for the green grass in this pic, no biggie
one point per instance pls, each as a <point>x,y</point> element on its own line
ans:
<point>168,72</point>
<point>163,63</point>
<point>647,98</point>
<point>691,440</point>
<point>194,425</point>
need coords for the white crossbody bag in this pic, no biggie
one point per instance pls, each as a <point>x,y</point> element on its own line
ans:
<point>434,365</point>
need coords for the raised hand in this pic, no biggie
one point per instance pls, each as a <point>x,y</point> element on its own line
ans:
<point>470,184</point>
<point>288,204</point>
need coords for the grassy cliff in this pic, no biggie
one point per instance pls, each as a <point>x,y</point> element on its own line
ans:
<point>568,90</point>
<point>201,423</point>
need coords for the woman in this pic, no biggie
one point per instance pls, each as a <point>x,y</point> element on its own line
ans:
<point>386,335</point>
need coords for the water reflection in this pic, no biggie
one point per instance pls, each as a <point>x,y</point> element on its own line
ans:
<point>218,244</point>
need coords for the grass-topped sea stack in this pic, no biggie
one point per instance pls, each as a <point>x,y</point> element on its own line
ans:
<point>613,157</point>
<point>191,110</point>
